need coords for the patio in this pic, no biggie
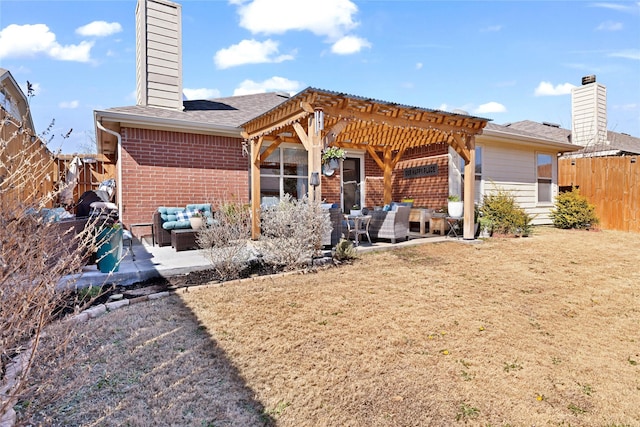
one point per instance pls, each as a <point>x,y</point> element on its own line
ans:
<point>155,261</point>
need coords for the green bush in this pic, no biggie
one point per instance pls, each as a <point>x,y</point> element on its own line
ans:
<point>573,210</point>
<point>501,214</point>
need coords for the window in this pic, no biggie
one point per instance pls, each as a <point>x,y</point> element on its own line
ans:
<point>478,175</point>
<point>285,171</point>
<point>545,178</point>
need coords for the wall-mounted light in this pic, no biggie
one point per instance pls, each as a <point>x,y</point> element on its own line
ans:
<point>315,179</point>
<point>633,160</point>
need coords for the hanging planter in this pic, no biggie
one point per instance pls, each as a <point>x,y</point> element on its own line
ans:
<point>332,155</point>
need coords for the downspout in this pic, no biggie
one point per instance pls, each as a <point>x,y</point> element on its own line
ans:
<point>118,165</point>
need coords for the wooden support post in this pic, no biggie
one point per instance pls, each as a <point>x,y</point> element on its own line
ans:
<point>255,188</point>
<point>388,175</point>
<point>470,192</point>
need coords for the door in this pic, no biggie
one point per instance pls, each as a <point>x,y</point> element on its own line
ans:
<point>352,188</point>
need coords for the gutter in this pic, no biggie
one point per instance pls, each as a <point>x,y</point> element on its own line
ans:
<point>169,124</point>
<point>118,165</point>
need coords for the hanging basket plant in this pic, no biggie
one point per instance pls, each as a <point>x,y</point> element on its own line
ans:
<point>333,153</point>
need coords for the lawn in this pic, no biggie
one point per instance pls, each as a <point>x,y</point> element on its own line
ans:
<point>538,331</point>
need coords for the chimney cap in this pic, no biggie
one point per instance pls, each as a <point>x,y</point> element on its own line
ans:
<point>588,79</point>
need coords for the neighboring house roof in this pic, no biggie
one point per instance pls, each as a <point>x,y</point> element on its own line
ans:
<point>619,143</point>
<point>14,101</point>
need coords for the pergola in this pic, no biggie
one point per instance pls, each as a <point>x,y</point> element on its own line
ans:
<point>319,118</point>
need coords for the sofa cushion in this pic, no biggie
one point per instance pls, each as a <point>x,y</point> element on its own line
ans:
<point>174,225</point>
<point>205,208</point>
<point>169,213</point>
<point>184,215</point>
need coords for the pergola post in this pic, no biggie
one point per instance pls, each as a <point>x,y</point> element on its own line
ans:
<point>470,192</point>
<point>255,188</point>
<point>387,176</point>
<point>315,157</point>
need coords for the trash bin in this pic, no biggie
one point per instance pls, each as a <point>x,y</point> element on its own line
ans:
<point>109,249</point>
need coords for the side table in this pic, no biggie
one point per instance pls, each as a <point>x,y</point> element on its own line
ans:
<point>183,239</point>
<point>144,224</point>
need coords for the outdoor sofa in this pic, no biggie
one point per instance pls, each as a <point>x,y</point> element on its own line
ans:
<point>166,219</point>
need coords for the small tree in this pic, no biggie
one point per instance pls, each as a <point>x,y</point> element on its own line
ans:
<point>573,210</point>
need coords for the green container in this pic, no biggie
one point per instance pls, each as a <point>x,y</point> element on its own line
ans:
<point>109,250</point>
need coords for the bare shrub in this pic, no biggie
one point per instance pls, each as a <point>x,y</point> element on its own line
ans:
<point>292,232</point>
<point>224,240</point>
<point>34,256</point>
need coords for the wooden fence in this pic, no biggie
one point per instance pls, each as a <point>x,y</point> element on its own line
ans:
<point>95,168</point>
<point>612,184</point>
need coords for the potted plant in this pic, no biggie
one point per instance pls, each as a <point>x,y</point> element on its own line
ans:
<point>196,220</point>
<point>455,206</point>
<point>331,156</point>
<point>355,210</point>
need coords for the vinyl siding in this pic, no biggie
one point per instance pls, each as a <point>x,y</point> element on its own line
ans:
<point>514,169</point>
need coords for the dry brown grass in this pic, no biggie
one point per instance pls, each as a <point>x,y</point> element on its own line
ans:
<point>537,331</point>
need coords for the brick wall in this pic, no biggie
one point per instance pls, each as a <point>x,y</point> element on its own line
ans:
<point>430,192</point>
<point>162,168</point>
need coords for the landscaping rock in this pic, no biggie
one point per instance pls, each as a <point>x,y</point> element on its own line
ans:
<point>117,304</point>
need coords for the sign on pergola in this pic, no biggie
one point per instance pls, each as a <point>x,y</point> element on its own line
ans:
<point>318,118</point>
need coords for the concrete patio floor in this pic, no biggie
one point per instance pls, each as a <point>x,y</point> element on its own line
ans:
<point>155,261</point>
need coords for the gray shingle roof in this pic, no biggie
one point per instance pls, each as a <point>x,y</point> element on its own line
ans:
<point>617,141</point>
<point>231,111</point>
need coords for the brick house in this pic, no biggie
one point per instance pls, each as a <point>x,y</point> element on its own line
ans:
<point>171,152</point>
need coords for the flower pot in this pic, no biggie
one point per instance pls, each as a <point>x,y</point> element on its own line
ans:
<point>333,164</point>
<point>109,250</point>
<point>355,212</point>
<point>196,222</point>
<point>455,209</point>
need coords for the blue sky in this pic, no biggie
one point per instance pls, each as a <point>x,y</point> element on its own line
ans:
<point>503,60</point>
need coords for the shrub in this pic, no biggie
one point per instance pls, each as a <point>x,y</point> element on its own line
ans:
<point>34,256</point>
<point>224,240</point>
<point>501,214</point>
<point>573,210</point>
<point>345,250</point>
<point>292,232</point>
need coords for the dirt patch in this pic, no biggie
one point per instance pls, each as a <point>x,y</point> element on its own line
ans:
<point>531,331</point>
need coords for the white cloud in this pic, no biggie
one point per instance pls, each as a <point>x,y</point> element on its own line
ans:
<point>99,29</point>
<point>69,104</point>
<point>201,93</point>
<point>491,107</point>
<point>631,7</point>
<point>609,26</point>
<point>419,66</point>
<point>349,44</point>
<point>628,54</point>
<point>547,89</point>
<point>249,52</point>
<point>32,40</point>
<point>331,18</point>
<point>491,29</point>
<point>274,84</point>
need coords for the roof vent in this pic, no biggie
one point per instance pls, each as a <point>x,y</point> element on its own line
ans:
<point>553,125</point>
<point>588,79</point>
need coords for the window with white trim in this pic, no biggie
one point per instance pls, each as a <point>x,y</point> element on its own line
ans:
<point>544,176</point>
<point>285,171</point>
